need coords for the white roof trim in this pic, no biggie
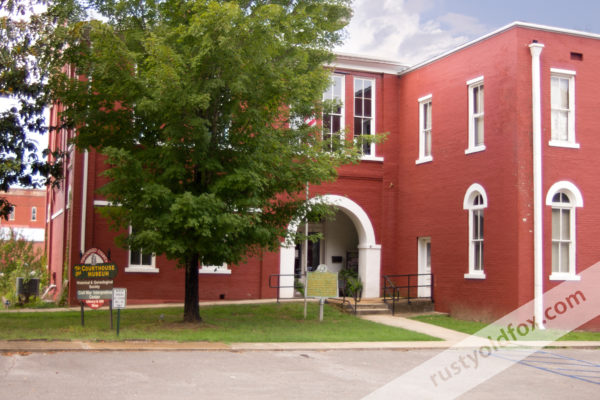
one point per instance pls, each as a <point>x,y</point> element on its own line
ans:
<point>29,234</point>
<point>357,62</point>
<point>498,31</point>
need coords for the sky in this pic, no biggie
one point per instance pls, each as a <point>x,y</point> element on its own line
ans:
<point>411,31</point>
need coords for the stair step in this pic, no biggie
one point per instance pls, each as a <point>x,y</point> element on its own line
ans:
<point>373,311</point>
<point>379,306</point>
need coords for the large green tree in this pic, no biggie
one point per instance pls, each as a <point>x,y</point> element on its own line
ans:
<point>23,99</point>
<point>200,107</point>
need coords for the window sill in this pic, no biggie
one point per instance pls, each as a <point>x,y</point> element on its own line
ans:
<point>564,277</point>
<point>142,269</point>
<point>371,158</point>
<point>475,149</point>
<point>424,160</point>
<point>562,143</point>
<point>475,275</point>
<point>214,271</point>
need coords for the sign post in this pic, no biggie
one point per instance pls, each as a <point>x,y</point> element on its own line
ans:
<point>322,284</point>
<point>119,301</point>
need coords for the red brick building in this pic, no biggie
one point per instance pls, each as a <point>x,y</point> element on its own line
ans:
<point>28,218</point>
<point>503,129</point>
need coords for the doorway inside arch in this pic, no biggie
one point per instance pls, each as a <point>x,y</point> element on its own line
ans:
<point>337,247</point>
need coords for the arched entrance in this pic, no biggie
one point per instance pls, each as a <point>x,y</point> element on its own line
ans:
<point>369,252</point>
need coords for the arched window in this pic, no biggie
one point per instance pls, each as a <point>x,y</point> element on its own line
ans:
<point>475,202</point>
<point>563,197</point>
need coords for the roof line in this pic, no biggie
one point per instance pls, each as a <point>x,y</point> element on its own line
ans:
<point>496,32</point>
<point>366,63</point>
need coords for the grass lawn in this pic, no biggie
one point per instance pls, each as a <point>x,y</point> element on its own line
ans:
<point>472,327</point>
<point>228,323</point>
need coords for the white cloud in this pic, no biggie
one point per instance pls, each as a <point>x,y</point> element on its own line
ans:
<point>394,29</point>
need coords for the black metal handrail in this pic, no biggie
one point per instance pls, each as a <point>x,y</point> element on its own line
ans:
<point>389,285</point>
<point>278,286</point>
<point>356,295</point>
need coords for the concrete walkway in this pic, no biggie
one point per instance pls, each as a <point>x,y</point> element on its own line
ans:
<point>457,339</point>
<point>418,326</point>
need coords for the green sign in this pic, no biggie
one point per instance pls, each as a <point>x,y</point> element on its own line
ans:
<point>88,271</point>
<point>94,281</point>
<point>322,284</point>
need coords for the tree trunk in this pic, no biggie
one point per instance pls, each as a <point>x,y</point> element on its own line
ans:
<point>191,308</point>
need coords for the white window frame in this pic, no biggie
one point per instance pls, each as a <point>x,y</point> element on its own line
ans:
<point>144,268</point>
<point>11,216</point>
<point>215,269</point>
<point>472,193</point>
<point>472,85</point>
<point>372,150</point>
<point>330,95</point>
<point>570,141</point>
<point>425,102</point>
<point>575,200</point>
<point>34,213</point>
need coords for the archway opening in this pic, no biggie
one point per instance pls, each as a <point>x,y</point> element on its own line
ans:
<point>348,241</point>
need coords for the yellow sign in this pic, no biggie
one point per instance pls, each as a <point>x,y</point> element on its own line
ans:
<point>322,284</point>
<point>87,271</point>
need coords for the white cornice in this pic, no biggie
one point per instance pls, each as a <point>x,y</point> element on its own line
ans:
<point>357,62</point>
<point>13,191</point>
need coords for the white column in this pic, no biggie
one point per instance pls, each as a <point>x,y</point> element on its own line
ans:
<point>536,114</point>
<point>369,269</point>
<point>287,255</point>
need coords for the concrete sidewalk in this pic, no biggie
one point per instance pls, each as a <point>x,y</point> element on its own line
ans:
<point>449,338</point>
<point>418,326</point>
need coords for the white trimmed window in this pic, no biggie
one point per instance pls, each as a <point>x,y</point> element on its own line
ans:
<point>425,109</point>
<point>364,114</point>
<point>333,117</point>
<point>563,197</point>
<point>33,213</point>
<point>476,113</point>
<point>140,261</point>
<point>476,202</point>
<point>11,216</point>
<point>562,100</point>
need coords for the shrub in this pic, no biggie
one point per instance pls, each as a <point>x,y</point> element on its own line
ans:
<point>352,285</point>
<point>18,258</point>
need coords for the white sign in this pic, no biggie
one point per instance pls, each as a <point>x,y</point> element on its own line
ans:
<point>119,298</point>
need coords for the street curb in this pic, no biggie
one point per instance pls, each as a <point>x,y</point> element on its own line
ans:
<point>43,346</point>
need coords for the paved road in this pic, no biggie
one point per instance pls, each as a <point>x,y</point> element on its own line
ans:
<point>333,374</point>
